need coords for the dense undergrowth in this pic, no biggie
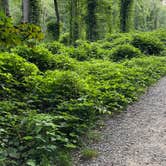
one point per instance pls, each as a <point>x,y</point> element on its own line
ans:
<point>52,94</point>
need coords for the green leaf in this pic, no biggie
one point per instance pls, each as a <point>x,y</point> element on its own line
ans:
<point>31,163</point>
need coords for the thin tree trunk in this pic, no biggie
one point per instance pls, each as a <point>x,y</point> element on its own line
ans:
<point>7,11</point>
<point>25,11</point>
<point>74,27</point>
<point>91,20</point>
<point>34,11</point>
<point>4,7</point>
<point>126,15</point>
<point>58,18</point>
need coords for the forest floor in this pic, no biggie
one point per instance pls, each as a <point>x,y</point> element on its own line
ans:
<point>136,137</point>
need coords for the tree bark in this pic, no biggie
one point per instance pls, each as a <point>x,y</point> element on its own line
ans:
<point>4,7</point>
<point>74,27</point>
<point>57,28</point>
<point>126,15</point>
<point>91,20</point>
<point>31,11</point>
<point>25,11</point>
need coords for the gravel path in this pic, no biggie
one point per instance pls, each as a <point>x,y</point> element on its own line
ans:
<point>137,137</point>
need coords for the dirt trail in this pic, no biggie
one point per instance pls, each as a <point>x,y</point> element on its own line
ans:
<point>137,137</point>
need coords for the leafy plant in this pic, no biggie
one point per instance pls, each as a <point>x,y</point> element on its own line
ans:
<point>55,47</point>
<point>148,44</point>
<point>86,51</point>
<point>124,52</point>
<point>88,154</point>
<point>11,35</point>
<point>44,59</point>
<point>45,111</point>
<point>13,72</point>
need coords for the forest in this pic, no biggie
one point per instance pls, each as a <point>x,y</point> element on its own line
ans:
<point>65,64</point>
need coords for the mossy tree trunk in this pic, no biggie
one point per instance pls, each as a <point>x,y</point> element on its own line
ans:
<point>34,11</point>
<point>126,15</point>
<point>4,7</point>
<point>74,23</point>
<point>91,20</point>
<point>57,25</point>
<point>31,11</point>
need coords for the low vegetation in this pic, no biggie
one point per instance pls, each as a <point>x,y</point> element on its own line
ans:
<point>89,154</point>
<point>63,64</point>
<point>51,94</point>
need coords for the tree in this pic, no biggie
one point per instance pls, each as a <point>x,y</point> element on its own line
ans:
<point>141,13</point>
<point>31,11</point>
<point>4,7</point>
<point>126,15</point>
<point>154,14</point>
<point>74,25</point>
<point>91,20</point>
<point>57,25</point>
<point>34,11</point>
<point>25,11</point>
<point>150,14</point>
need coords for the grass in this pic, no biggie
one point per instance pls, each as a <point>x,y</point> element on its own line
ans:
<point>87,154</point>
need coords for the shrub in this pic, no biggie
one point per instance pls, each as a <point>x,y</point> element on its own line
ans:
<point>122,40</point>
<point>113,37</point>
<point>151,68</point>
<point>7,85</point>
<point>11,35</point>
<point>65,85</point>
<point>16,65</point>
<point>46,135</point>
<point>114,86</point>
<point>64,62</point>
<point>86,51</point>
<point>79,54</point>
<point>28,137</point>
<point>10,147</point>
<point>148,44</point>
<point>83,108</point>
<point>124,52</point>
<point>37,55</point>
<point>160,34</point>
<point>43,58</point>
<point>54,88</point>
<point>55,47</point>
<point>53,28</point>
<point>109,89</point>
<point>13,72</point>
<point>64,38</point>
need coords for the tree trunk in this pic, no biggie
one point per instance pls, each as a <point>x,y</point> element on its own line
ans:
<point>126,15</point>
<point>91,20</point>
<point>34,11</point>
<point>74,27</point>
<point>57,28</point>
<point>4,7</point>
<point>31,11</point>
<point>25,11</point>
<point>7,11</point>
